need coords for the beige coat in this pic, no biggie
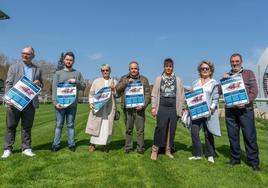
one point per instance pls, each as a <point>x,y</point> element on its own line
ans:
<point>179,95</point>
<point>95,120</point>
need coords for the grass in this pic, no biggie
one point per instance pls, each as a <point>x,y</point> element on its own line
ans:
<point>117,169</point>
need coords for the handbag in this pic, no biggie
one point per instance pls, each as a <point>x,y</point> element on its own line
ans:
<point>117,115</point>
<point>186,119</point>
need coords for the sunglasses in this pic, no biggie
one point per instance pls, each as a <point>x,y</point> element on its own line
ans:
<point>204,68</point>
<point>104,70</point>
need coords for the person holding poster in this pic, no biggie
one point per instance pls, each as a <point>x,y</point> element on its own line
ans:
<point>101,119</point>
<point>167,102</point>
<point>241,116</point>
<point>24,68</point>
<point>135,91</point>
<point>210,123</point>
<point>65,83</point>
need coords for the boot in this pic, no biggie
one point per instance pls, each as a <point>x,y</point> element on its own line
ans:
<point>168,153</point>
<point>154,152</point>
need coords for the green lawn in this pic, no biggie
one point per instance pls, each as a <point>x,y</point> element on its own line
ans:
<point>117,169</point>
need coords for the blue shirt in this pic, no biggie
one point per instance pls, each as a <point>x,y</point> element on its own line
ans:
<point>28,71</point>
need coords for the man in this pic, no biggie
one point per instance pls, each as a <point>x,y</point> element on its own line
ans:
<point>13,115</point>
<point>242,116</point>
<point>134,115</point>
<point>68,75</point>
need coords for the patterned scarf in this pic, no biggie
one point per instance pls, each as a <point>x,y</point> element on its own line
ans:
<point>168,80</point>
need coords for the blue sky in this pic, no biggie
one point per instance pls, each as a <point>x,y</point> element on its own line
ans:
<point>118,31</point>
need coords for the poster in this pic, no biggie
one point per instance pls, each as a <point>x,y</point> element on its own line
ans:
<point>101,97</point>
<point>134,95</point>
<point>66,94</point>
<point>234,91</point>
<point>22,93</point>
<point>197,104</point>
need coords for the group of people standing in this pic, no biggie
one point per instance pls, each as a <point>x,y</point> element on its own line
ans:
<point>167,106</point>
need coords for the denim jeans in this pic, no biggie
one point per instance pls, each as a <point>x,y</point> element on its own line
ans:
<point>68,113</point>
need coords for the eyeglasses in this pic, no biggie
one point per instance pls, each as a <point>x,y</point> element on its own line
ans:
<point>236,61</point>
<point>104,70</point>
<point>204,68</point>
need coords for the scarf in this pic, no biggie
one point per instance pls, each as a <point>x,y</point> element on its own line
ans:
<point>168,80</point>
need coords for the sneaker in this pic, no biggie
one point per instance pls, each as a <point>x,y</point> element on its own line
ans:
<point>195,158</point>
<point>6,154</point>
<point>28,152</point>
<point>211,159</point>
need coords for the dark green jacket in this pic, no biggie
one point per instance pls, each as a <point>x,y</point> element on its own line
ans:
<point>122,84</point>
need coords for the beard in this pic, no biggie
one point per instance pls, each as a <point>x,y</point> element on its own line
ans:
<point>236,68</point>
<point>68,66</point>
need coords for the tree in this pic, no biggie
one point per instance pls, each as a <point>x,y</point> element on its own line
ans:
<point>60,62</point>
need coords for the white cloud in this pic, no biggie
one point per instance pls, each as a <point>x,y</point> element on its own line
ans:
<point>96,56</point>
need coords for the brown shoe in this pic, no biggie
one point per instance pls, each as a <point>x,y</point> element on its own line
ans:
<point>105,148</point>
<point>154,152</point>
<point>91,148</point>
<point>168,153</point>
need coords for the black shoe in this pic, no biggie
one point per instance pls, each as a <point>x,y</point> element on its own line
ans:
<point>128,151</point>
<point>233,163</point>
<point>55,149</point>
<point>72,148</point>
<point>140,152</point>
<point>256,168</point>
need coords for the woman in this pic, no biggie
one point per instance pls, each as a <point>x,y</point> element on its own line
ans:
<point>100,124</point>
<point>210,125</point>
<point>167,101</point>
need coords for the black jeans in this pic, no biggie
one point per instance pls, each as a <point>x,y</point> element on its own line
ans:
<point>166,117</point>
<point>196,143</point>
<point>242,118</point>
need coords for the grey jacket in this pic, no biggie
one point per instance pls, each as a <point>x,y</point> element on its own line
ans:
<point>16,72</point>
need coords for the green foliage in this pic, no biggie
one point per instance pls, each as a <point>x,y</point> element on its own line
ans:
<point>117,169</point>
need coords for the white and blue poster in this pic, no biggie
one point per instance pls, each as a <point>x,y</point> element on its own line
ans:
<point>66,94</point>
<point>234,91</point>
<point>134,95</point>
<point>197,104</point>
<point>101,98</point>
<point>22,93</point>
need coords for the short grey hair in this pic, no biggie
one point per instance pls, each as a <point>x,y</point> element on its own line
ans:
<point>134,62</point>
<point>107,66</point>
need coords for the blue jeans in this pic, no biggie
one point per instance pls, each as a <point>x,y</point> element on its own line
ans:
<point>68,113</point>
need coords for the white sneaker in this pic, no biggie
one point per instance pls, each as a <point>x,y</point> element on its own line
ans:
<point>211,159</point>
<point>195,158</point>
<point>6,154</point>
<point>28,152</point>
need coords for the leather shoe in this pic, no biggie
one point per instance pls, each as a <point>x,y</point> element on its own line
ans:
<point>256,168</point>
<point>72,148</point>
<point>55,149</point>
<point>233,163</point>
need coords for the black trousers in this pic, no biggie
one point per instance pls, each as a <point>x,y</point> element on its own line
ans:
<point>196,142</point>
<point>242,118</point>
<point>166,120</point>
<point>13,116</point>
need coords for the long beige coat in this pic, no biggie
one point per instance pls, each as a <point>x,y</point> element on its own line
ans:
<point>179,95</point>
<point>95,120</point>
